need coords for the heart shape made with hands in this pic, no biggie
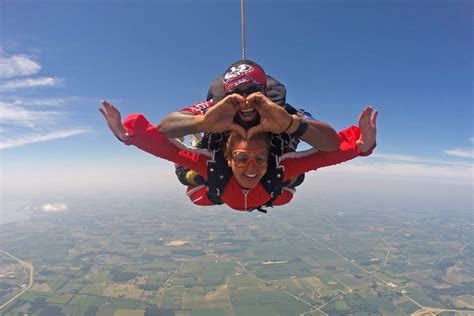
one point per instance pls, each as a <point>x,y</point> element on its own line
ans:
<point>273,117</point>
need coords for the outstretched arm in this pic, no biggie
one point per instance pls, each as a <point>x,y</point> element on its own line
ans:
<point>136,130</point>
<point>275,119</point>
<point>355,141</point>
<point>320,135</point>
<point>177,124</point>
<point>218,118</point>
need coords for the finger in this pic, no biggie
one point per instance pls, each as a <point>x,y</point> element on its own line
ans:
<point>234,96</point>
<point>251,97</point>
<point>108,107</point>
<point>374,119</point>
<point>254,130</point>
<point>361,117</point>
<point>114,111</point>
<point>233,102</point>
<point>104,113</point>
<point>239,129</point>
<point>260,97</point>
<point>240,102</point>
<point>254,99</point>
<point>263,109</point>
<point>240,98</point>
<point>366,116</point>
<point>231,107</point>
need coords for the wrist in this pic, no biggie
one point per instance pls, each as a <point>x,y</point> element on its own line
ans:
<point>300,129</point>
<point>198,125</point>
<point>366,150</point>
<point>295,124</point>
<point>124,137</point>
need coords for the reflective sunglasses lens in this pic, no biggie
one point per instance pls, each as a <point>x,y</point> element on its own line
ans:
<point>260,159</point>
<point>241,159</point>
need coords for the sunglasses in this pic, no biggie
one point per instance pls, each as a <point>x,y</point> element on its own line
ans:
<point>242,158</point>
<point>248,91</point>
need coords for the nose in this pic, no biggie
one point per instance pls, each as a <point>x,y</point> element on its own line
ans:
<point>252,165</point>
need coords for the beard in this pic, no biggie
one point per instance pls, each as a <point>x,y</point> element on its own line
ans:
<point>246,124</point>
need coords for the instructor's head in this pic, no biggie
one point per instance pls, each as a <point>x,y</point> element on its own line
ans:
<point>245,77</point>
<point>248,158</point>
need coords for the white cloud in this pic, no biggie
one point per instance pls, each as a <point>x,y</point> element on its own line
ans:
<point>17,66</point>
<point>388,166</point>
<point>418,160</point>
<point>29,119</point>
<point>30,139</point>
<point>388,170</point>
<point>30,83</point>
<point>460,152</point>
<point>397,157</point>
<point>11,115</point>
<point>19,101</point>
<point>54,207</point>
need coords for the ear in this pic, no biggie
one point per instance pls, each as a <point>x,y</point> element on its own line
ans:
<point>229,163</point>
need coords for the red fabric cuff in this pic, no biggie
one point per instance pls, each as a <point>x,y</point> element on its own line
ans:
<point>137,124</point>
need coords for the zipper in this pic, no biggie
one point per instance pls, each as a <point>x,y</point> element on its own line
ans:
<point>246,192</point>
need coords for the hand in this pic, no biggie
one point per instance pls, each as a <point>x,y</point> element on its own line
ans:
<point>273,118</point>
<point>368,130</point>
<point>220,117</point>
<point>114,120</point>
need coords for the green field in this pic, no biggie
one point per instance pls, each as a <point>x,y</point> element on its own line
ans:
<point>239,264</point>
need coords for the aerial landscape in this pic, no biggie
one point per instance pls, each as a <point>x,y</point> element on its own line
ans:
<point>90,226</point>
<point>143,260</point>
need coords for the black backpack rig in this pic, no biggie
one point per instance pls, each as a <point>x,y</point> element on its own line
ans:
<point>219,172</point>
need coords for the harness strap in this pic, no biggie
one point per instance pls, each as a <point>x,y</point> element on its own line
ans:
<point>217,177</point>
<point>272,182</point>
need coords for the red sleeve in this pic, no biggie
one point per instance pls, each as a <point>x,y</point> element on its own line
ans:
<point>284,198</point>
<point>199,197</point>
<point>145,136</point>
<point>198,108</point>
<point>347,150</point>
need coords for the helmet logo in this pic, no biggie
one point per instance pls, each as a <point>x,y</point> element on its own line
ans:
<point>237,71</point>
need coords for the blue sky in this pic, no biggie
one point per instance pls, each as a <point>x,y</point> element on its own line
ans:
<point>412,60</point>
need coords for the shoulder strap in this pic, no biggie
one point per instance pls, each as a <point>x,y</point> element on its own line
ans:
<point>272,182</point>
<point>218,175</point>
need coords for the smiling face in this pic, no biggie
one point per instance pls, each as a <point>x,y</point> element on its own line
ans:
<point>248,113</point>
<point>245,77</point>
<point>246,158</point>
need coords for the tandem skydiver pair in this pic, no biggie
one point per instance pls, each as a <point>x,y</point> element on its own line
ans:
<point>245,155</point>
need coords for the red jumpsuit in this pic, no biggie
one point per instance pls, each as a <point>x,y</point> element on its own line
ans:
<point>145,136</point>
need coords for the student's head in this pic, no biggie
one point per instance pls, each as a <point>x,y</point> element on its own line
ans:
<point>245,77</point>
<point>248,158</point>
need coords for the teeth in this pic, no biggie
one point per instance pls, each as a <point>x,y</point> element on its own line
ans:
<point>247,111</point>
<point>251,175</point>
